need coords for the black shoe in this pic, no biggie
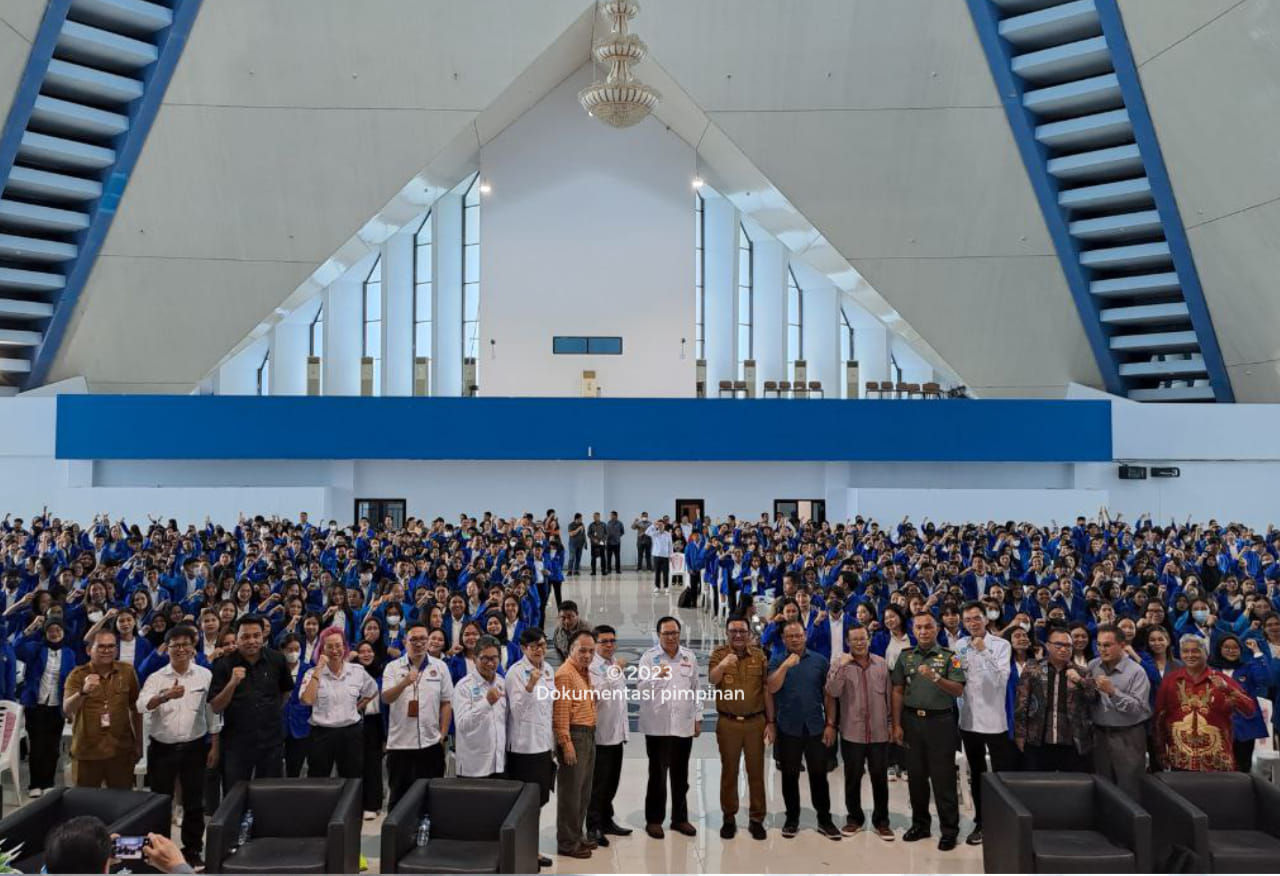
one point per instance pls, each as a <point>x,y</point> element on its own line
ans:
<point>790,828</point>
<point>193,859</point>
<point>946,844</point>
<point>975,838</point>
<point>916,833</point>
<point>616,829</point>
<point>828,829</point>
<point>598,838</point>
<point>544,861</point>
<point>757,831</point>
<point>728,829</point>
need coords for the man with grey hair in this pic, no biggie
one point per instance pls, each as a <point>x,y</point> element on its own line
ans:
<point>1119,695</point>
<point>1194,707</point>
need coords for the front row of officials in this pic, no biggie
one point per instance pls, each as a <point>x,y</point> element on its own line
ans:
<point>576,724</point>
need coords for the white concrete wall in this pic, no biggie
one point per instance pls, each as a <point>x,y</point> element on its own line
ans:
<point>588,231</point>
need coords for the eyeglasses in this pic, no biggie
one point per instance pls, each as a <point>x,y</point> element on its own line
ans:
<point>176,646</point>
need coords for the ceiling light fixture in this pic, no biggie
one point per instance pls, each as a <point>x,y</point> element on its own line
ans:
<point>620,100</point>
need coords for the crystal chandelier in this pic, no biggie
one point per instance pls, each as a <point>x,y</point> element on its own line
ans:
<point>621,100</point>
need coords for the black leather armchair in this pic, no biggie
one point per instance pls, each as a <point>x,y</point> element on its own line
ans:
<point>477,826</point>
<point>299,826</point>
<point>1228,822</point>
<point>129,813</point>
<point>1061,823</point>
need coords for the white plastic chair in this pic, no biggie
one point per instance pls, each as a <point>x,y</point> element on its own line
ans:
<point>10,745</point>
<point>140,769</point>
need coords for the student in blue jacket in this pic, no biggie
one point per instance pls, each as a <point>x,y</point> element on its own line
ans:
<point>8,671</point>
<point>296,716</point>
<point>48,660</point>
<point>510,651</point>
<point>1249,668</point>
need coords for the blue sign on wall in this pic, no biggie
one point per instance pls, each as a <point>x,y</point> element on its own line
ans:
<point>249,427</point>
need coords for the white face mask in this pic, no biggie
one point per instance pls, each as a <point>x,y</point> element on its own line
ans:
<point>992,614</point>
<point>393,621</point>
<point>291,657</point>
<point>95,616</point>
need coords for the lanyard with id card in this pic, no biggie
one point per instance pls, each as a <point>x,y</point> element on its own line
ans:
<point>413,703</point>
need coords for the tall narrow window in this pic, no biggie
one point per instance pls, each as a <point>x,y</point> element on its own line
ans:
<point>795,322</point>
<point>897,369</point>
<point>746,301</point>
<point>371,340</point>
<point>264,374</point>
<point>847,353</point>
<point>471,271</point>
<point>423,289</point>
<point>699,278</point>
<point>315,339</point>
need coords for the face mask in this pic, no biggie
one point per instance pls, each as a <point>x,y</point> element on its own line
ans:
<point>95,616</point>
<point>291,657</point>
<point>1200,615</point>
<point>992,614</point>
<point>1024,625</point>
<point>393,620</point>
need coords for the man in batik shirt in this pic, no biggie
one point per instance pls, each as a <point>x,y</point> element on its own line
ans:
<point>1193,713</point>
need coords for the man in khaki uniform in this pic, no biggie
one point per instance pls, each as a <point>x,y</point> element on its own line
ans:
<point>738,671</point>
<point>106,730</point>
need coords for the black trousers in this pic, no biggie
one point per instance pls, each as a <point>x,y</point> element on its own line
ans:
<point>613,559</point>
<point>406,765</point>
<point>644,556</point>
<point>44,740</point>
<point>544,593</point>
<point>242,764</point>
<point>182,762</point>
<point>374,736</point>
<point>597,556</point>
<point>668,758</point>
<point>539,768</point>
<point>874,758</point>
<point>604,785</point>
<point>295,755</point>
<point>1243,751</point>
<point>809,748</point>
<point>931,745</point>
<point>1056,759</point>
<point>1003,759</point>
<point>662,572</point>
<point>337,746</point>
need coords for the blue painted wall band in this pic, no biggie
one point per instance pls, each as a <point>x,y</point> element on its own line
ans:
<point>284,427</point>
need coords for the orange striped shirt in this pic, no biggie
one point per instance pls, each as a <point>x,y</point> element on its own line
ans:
<point>575,703</point>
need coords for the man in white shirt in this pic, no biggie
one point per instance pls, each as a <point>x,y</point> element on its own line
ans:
<point>531,690</point>
<point>670,718</point>
<point>419,691</point>
<point>337,690</point>
<point>480,714</point>
<point>984,726</point>
<point>661,547</point>
<point>608,676</point>
<point>184,733</point>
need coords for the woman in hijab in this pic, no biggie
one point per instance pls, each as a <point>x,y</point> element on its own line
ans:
<point>1250,670</point>
<point>374,729</point>
<point>42,647</point>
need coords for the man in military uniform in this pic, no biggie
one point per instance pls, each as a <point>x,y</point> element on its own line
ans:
<point>926,681</point>
<point>738,671</point>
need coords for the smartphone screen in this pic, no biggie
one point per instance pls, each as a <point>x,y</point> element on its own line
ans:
<point>128,848</point>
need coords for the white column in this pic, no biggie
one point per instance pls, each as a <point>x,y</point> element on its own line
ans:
<point>871,347</point>
<point>289,342</point>
<point>446,364</point>
<point>343,324</point>
<point>822,336</point>
<point>397,314</point>
<point>770,286</point>
<point>239,376</point>
<point>721,284</point>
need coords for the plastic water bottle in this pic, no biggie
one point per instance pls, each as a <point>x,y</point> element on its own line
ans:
<point>424,831</point>
<point>246,828</point>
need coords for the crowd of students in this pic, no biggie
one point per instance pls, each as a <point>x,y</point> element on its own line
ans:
<point>378,610</point>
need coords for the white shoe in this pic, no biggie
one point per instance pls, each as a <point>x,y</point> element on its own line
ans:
<point>35,792</point>
<point>370,816</point>
<point>657,591</point>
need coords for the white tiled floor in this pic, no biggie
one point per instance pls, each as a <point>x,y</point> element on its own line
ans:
<point>627,602</point>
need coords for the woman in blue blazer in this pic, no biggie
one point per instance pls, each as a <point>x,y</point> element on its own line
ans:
<point>296,716</point>
<point>41,647</point>
<point>1250,670</point>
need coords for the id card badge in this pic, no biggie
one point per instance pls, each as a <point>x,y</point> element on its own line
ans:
<point>104,721</point>
<point>413,708</point>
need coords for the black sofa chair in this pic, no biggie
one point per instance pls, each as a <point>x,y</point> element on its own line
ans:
<point>1061,823</point>
<point>1227,822</point>
<point>477,826</point>
<point>299,826</point>
<point>129,813</point>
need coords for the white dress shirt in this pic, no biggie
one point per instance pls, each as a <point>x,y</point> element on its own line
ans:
<point>338,695</point>
<point>529,712</point>
<point>185,719</point>
<point>611,705</point>
<point>986,675</point>
<point>661,541</point>
<point>433,688</point>
<point>50,690</point>
<point>481,726</point>
<point>668,706</point>
<point>127,648</point>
